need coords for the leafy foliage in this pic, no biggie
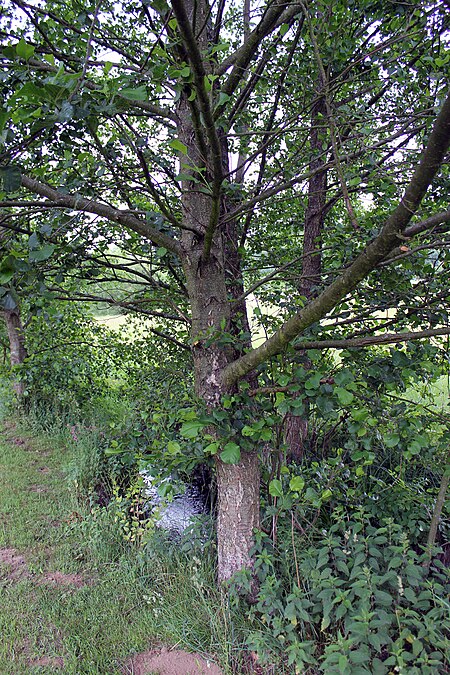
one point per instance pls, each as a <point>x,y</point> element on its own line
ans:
<point>360,601</point>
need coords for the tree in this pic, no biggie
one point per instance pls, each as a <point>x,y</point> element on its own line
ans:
<point>195,126</point>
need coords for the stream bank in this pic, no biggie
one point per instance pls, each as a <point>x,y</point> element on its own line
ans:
<point>73,596</point>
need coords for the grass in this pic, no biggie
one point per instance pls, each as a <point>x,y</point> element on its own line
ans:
<point>436,395</point>
<point>128,602</point>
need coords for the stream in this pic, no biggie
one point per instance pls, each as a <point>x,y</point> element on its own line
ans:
<point>183,511</point>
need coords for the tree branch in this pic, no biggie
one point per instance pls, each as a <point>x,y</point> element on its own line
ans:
<point>198,66</point>
<point>376,251</point>
<point>77,203</point>
<point>437,512</point>
<point>423,225</point>
<point>388,338</point>
<point>278,12</point>
<point>130,306</point>
<point>153,109</point>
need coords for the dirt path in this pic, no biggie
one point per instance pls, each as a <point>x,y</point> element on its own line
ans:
<point>59,609</point>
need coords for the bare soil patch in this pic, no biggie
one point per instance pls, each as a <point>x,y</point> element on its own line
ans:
<point>18,570</point>
<point>9,425</point>
<point>16,563</point>
<point>170,662</point>
<point>17,441</point>
<point>61,579</point>
<point>39,489</point>
<point>54,662</point>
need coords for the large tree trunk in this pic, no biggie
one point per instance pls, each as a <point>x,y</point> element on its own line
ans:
<point>237,484</point>
<point>296,428</point>
<point>212,280</point>
<point>17,349</point>
<point>238,513</point>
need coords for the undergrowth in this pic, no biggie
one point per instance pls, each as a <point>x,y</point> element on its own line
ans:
<point>343,590</point>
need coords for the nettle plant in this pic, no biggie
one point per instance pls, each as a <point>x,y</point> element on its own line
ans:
<point>360,601</point>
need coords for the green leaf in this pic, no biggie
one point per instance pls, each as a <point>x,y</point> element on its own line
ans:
<point>160,6</point>
<point>24,50</point>
<point>231,454</point>
<point>345,397</point>
<point>139,94</point>
<point>221,47</point>
<point>284,29</point>
<point>382,598</point>
<point>173,448</point>
<point>211,448</point>
<point>391,440</point>
<point>8,301</point>
<point>191,429</point>
<point>11,177</point>
<point>275,488</point>
<point>177,145</point>
<point>223,98</point>
<point>207,83</point>
<point>43,253</point>
<point>296,484</point>
<point>314,381</point>
<point>109,452</point>
<point>33,241</point>
<point>66,112</point>
<point>6,275</point>
<point>165,490</point>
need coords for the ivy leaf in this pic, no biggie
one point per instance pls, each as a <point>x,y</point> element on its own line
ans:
<point>231,454</point>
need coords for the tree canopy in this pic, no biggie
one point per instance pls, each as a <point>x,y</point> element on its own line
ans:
<point>295,152</point>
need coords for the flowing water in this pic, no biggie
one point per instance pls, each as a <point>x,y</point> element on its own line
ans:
<point>177,515</point>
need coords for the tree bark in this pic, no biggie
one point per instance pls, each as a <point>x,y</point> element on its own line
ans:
<point>17,349</point>
<point>238,513</point>
<point>296,427</point>
<point>213,276</point>
<point>437,512</point>
<point>237,484</point>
